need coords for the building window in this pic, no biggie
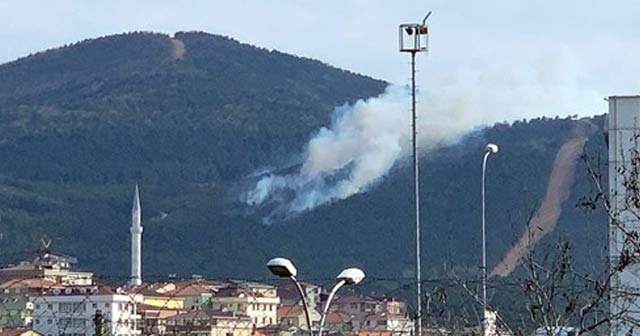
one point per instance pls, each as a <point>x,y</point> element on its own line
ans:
<point>50,306</point>
<point>37,321</point>
<point>95,305</point>
<point>37,306</point>
<point>49,321</point>
<point>71,307</point>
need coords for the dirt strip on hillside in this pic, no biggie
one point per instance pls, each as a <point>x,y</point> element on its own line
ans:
<point>545,219</point>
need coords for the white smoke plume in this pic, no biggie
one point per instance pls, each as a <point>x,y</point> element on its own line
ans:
<point>366,139</point>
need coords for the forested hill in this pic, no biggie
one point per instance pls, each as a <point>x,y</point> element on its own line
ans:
<point>210,95</point>
<point>189,117</point>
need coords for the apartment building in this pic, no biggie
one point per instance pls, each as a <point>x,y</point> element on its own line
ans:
<point>86,311</point>
<point>257,301</point>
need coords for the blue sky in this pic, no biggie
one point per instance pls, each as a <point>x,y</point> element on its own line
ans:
<point>593,45</point>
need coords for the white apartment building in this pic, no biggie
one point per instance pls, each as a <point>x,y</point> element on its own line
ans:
<point>623,127</point>
<point>257,301</point>
<point>86,311</point>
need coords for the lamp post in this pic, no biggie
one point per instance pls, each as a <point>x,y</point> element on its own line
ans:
<point>414,38</point>
<point>284,268</point>
<point>349,276</point>
<point>489,149</point>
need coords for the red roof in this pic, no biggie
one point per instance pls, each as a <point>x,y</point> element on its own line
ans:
<point>289,311</point>
<point>335,317</point>
<point>153,312</point>
<point>15,331</point>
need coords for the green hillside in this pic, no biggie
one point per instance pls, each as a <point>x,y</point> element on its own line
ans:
<point>188,118</point>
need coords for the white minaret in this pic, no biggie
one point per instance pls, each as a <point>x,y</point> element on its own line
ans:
<point>136,241</point>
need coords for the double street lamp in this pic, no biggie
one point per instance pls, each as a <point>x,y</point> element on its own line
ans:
<point>284,268</point>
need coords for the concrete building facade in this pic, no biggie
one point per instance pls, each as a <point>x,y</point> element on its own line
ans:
<point>623,128</point>
<point>207,322</point>
<point>86,311</point>
<point>257,301</point>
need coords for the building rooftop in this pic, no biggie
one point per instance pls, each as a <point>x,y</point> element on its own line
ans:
<point>32,283</point>
<point>250,284</point>
<point>385,317</point>
<point>242,291</point>
<point>154,312</point>
<point>44,263</point>
<point>233,292</point>
<point>209,314</point>
<point>180,288</point>
<point>624,96</point>
<point>289,311</point>
<point>15,331</point>
<point>338,317</point>
<point>84,291</point>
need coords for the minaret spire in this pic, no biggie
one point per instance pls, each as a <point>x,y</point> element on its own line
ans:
<point>136,240</point>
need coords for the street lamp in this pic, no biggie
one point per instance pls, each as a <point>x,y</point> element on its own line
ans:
<point>284,268</point>
<point>349,276</point>
<point>489,149</point>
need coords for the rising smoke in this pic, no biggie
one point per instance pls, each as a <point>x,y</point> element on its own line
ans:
<point>366,139</point>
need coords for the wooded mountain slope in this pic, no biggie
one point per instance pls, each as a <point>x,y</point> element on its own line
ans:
<point>189,117</point>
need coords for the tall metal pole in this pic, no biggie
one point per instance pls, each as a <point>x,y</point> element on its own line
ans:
<point>489,149</point>
<point>484,240</point>
<point>416,41</point>
<point>416,183</point>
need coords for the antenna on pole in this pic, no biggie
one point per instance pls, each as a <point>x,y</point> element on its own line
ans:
<point>46,242</point>
<point>414,38</point>
<point>426,17</point>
